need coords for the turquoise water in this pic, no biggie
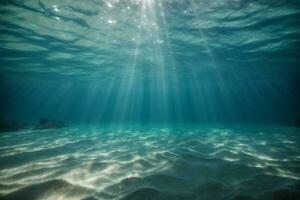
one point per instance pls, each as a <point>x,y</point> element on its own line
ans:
<point>146,61</point>
<point>163,99</point>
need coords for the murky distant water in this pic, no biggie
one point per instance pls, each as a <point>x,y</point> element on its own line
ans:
<point>195,163</point>
<point>174,69</point>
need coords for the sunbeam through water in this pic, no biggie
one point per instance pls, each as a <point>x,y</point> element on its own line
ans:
<point>149,99</point>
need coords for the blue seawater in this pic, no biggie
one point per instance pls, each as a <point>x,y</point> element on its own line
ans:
<point>150,99</point>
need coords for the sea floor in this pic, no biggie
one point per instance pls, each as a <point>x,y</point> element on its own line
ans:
<point>240,163</point>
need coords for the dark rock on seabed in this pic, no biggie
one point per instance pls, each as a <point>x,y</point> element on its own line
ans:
<point>6,126</point>
<point>45,123</point>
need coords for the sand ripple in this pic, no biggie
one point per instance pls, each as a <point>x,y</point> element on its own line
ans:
<point>197,163</point>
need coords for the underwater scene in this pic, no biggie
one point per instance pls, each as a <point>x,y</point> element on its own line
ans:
<point>149,99</point>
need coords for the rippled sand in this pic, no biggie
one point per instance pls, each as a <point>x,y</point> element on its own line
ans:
<point>196,163</point>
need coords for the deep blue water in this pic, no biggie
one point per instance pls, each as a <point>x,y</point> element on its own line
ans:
<point>164,99</point>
